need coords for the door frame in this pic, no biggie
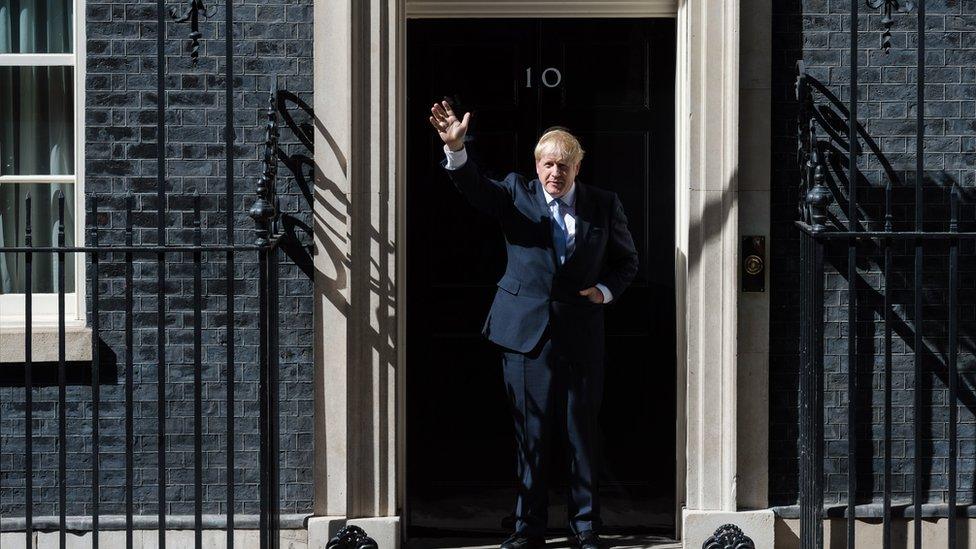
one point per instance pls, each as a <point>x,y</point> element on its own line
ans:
<point>432,11</point>
<point>360,105</point>
<point>416,9</point>
<point>443,9</point>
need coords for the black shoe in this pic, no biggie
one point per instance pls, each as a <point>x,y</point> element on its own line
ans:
<point>520,541</point>
<point>589,540</point>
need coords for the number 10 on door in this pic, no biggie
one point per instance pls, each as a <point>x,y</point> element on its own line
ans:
<point>551,77</point>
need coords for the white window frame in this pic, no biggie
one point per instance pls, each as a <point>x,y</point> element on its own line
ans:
<point>45,306</point>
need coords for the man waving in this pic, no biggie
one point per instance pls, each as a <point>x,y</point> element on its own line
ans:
<point>569,254</point>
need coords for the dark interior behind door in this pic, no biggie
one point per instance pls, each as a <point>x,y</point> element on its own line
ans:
<point>611,82</point>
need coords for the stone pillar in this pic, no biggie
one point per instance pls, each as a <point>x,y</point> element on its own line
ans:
<point>358,103</point>
<point>356,354</point>
<point>710,171</point>
<point>707,234</point>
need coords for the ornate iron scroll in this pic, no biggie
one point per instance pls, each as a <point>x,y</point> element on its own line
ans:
<point>297,235</point>
<point>822,142</point>
<point>814,197</point>
<point>351,537</point>
<point>264,211</point>
<point>303,131</point>
<point>193,13</point>
<point>888,7</point>
<point>729,536</point>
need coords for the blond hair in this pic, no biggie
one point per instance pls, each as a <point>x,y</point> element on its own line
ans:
<point>561,144</point>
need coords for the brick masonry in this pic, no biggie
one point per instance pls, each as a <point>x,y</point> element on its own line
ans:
<point>817,31</point>
<point>274,41</point>
<point>273,49</point>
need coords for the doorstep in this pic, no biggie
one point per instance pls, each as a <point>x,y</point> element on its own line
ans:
<point>615,541</point>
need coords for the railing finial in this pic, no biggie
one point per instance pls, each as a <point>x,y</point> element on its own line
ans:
<point>818,199</point>
<point>888,7</point>
<point>192,14</point>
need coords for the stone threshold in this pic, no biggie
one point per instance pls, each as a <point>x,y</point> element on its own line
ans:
<point>615,541</point>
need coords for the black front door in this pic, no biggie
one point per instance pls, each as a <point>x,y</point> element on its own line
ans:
<point>611,82</point>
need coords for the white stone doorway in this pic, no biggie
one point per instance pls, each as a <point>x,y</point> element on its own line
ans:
<point>360,109</point>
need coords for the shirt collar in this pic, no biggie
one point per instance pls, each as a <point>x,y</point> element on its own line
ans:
<point>569,199</point>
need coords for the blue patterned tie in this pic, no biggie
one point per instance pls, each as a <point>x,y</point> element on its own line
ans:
<point>559,233</point>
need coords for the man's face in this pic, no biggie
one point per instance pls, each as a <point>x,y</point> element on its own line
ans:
<point>556,174</point>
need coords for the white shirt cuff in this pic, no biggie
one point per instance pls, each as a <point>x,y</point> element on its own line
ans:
<point>455,159</point>
<point>607,296</point>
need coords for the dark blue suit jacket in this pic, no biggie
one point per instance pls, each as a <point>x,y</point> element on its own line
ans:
<point>535,291</point>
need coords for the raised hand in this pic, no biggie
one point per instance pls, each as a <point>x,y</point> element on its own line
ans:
<point>449,128</point>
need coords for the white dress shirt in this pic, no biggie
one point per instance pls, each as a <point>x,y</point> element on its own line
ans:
<point>456,159</point>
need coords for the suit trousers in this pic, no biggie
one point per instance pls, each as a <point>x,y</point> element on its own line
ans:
<point>541,384</point>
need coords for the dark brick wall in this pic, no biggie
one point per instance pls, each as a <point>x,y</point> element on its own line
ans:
<point>817,31</point>
<point>273,49</point>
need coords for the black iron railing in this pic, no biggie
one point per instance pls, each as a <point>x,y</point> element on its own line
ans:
<point>832,149</point>
<point>265,248</point>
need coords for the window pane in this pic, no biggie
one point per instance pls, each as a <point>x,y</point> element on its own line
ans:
<point>35,26</point>
<point>44,229</point>
<point>36,121</point>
